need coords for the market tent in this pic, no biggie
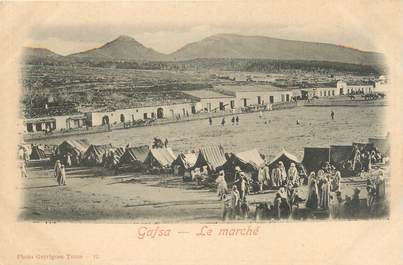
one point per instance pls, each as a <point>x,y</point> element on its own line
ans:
<point>248,161</point>
<point>134,156</point>
<point>211,156</point>
<point>40,152</point>
<point>160,157</point>
<point>76,148</point>
<point>94,154</point>
<point>185,160</point>
<point>381,143</point>
<point>340,154</point>
<point>315,158</point>
<point>287,158</point>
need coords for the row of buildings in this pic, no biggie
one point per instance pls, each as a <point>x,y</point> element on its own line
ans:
<point>217,99</point>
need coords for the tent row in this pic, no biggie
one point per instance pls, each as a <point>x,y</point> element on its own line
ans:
<point>211,158</point>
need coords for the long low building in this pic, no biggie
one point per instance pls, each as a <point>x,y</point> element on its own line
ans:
<point>354,87</point>
<point>211,101</point>
<point>55,123</point>
<point>142,113</point>
<point>247,95</point>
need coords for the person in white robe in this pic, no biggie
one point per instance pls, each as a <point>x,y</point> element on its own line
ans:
<point>276,177</point>
<point>222,188</point>
<point>293,176</point>
<point>57,168</point>
<point>283,173</point>
<point>61,180</point>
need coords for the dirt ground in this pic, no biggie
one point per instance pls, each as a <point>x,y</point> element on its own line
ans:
<point>276,130</point>
<point>97,195</point>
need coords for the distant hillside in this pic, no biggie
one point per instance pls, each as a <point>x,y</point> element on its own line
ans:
<point>29,52</point>
<point>122,48</point>
<point>126,52</point>
<point>259,47</point>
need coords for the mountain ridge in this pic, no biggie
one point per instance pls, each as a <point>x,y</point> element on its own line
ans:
<point>228,46</point>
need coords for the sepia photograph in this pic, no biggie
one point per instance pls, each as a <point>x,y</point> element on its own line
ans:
<point>210,121</point>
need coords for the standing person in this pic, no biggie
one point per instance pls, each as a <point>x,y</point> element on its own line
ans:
<point>23,170</point>
<point>61,180</point>
<point>68,160</point>
<point>283,173</point>
<point>325,195</point>
<point>26,155</point>
<point>210,121</point>
<point>263,177</point>
<point>21,153</point>
<point>222,188</point>
<point>293,175</point>
<point>233,120</point>
<point>276,177</point>
<point>335,184</point>
<point>311,177</point>
<point>166,142</point>
<point>313,196</point>
<point>237,120</point>
<point>380,187</point>
<point>338,210</point>
<point>237,174</point>
<point>57,168</point>
<point>244,186</point>
<point>223,121</point>
<point>234,201</point>
<point>281,204</point>
<point>332,114</point>
<point>371,190</point>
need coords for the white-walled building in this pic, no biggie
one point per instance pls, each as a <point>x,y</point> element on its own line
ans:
<point>142,113</point>
<point>354,87</point>
<point>211,101</point>
<point>55,123</point>
<point>320,92</point>
<point>247,95</point>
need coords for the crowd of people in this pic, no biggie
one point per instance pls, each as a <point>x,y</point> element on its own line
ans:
<point>323,196</point>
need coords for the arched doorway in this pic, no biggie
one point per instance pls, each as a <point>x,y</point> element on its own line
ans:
<point>122,118</point>
<point>105,120</point>
<point>160,113</point>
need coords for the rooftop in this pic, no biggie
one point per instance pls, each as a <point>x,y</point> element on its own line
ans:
<point>205,94</point>
<point>250,88</point>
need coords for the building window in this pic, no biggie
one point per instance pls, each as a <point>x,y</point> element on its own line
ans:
<point>160,113</point>
<point>232,103</point>
<point>38,127</point>
<point>122,118</point>
<point>282,98</point>
<point>30,128</point>
<point>145,116</point>
<point>259,100</point>
<point>152,115</point>
<point>245,102</point>
<point>271,99</point>
<point>287,98</point>
<point>332,92</point>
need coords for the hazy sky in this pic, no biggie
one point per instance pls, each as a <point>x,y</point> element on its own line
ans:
<point>167,26</point>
